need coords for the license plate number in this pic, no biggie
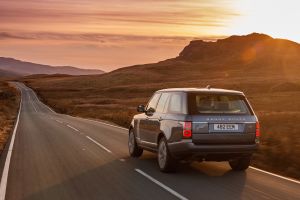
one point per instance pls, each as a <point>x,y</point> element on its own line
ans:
<point>226,127</point>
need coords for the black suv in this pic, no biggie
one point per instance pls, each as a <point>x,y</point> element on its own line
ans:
<point>196,124</point>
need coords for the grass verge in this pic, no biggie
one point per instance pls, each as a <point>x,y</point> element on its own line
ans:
<point>9,105</point>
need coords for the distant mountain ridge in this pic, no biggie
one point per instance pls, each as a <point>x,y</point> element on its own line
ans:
<point>241,48</point>
<point>8,74</point>
<point>19,67</point>
<point>254,55</point>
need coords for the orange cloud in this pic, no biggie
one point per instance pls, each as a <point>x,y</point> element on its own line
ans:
<point>106,34</point>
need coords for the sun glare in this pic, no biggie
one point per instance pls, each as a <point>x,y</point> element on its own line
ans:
<point>276,18</point>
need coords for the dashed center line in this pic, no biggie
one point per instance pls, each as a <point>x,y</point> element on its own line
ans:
<point>176,194</point>
<point>100,145</point>
<point>71,127</point>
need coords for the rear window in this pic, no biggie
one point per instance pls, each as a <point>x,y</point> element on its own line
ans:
<point>200,103</point>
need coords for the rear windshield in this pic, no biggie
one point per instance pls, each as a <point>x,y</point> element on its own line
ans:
<point>201,103</point>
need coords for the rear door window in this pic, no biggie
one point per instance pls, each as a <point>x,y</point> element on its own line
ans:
<point>176,104</point>
<point>201,103</point>
<point>162,102</point>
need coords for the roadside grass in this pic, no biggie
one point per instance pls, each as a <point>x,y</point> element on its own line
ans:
<point>9,104</point>
<point>278,108</point>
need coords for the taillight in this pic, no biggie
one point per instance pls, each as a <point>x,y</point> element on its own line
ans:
<point>257,132</point>
<point>187,130</point>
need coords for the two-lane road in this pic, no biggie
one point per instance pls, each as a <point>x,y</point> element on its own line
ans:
<point>56,156</point>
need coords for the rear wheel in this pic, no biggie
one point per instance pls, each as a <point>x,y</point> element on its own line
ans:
<point>240,164</point>
<point>134,149</point>
<point>165,161</point>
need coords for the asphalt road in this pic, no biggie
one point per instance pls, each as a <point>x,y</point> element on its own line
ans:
<point>56,156</point>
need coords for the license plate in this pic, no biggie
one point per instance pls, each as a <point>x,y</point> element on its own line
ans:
<point>226,127</point>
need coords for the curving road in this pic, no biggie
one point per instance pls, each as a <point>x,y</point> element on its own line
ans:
<point>54,156</point>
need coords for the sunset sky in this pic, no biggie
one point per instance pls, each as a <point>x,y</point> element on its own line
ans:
<point>108,34</point>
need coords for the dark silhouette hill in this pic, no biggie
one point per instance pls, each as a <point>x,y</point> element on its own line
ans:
<point>28,68</point>
<point>8,74</point>
<point>237,57</point>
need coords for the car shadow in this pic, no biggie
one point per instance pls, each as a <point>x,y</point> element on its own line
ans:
<point>112,180</point>
<point>208,180</point>
<point>119,180</point>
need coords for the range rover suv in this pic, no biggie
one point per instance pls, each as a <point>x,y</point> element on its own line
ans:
<point>203,124</point>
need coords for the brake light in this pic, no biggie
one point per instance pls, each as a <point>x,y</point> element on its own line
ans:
<point>257,133</point>
<point>187,130</point>
<point>257,129</point>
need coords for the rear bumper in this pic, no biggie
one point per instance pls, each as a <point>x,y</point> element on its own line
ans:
<point>187,149</point>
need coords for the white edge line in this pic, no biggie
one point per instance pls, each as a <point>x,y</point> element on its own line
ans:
<point>4,177</point>
<point>58,121</point>
<point>33,106</point>
<point>100,145</point>
<point>72,128</point>
<point>43,103</point>
<point>39,99</point>
<point>108,124</point>
<point>32,103</point>
<point>91,120</point>
<point>276,175</point>
<point>176,194</point>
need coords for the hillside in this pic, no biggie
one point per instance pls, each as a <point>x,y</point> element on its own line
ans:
<point>28,68</point>
<point>9,104</point>
<point>8,74</point>
<point>265,69</point>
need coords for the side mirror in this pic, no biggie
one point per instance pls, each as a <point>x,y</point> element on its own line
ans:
<point>141,108</point>
<point>150,111</point>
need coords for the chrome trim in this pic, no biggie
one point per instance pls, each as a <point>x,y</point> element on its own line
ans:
<point>182,141</point>
<point>143,141</point>
<point>218,122</point>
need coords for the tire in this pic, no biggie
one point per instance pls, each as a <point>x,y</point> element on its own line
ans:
<point>134,150</point>
<point>165,161</point>
<point>240,164</point>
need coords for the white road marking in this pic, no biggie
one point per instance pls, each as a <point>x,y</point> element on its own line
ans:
<point>58,121</point>
<point>34,107</point>
<point>31,102</point>
<point>71,127</point>
<point>176,194</point>
<point>100,145</point>
<point>4,177</point>
<point>91,120</point>
<point>40,101</point>
<point>276,175</point>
